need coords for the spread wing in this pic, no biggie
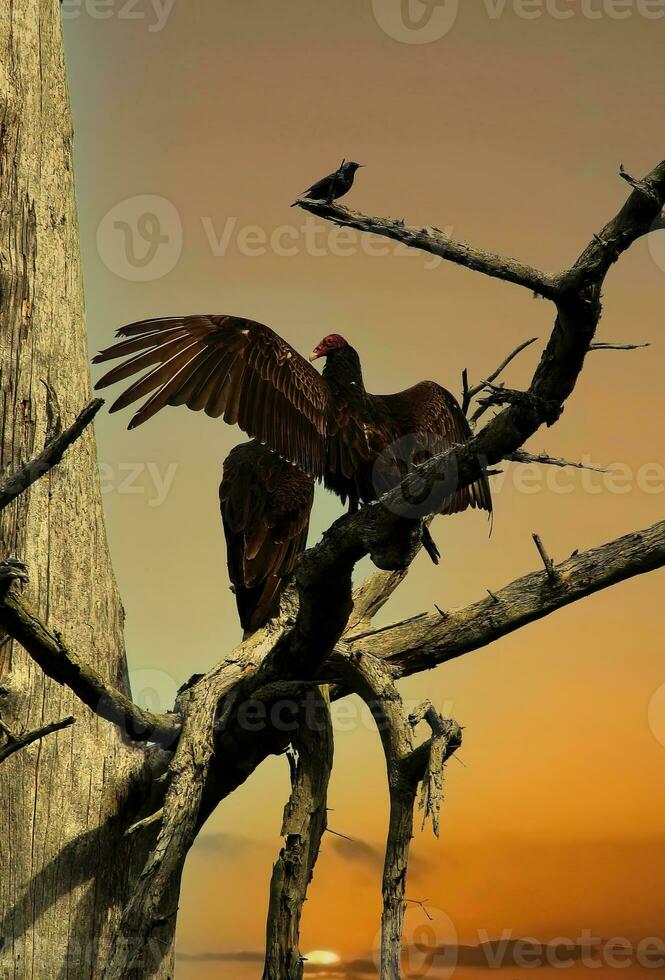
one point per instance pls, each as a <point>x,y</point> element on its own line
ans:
<point>228,366</point>
<point>432,417</point>
<point>265,504</point>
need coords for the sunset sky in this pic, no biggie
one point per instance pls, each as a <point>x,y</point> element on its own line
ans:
<point>508,131</point>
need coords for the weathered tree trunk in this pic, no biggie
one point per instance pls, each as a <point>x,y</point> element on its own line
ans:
<point>305,822</point>
<point>65,868</point>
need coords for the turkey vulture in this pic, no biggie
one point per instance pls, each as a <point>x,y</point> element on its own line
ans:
<point>327,425</point>
<point>265,504</point>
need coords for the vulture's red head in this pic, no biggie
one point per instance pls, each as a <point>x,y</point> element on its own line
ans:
<point>329,345</point>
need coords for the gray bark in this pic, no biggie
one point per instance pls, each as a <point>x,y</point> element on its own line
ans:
<point>305,822</point>
<point>62,884</point>
<point>408,767</point>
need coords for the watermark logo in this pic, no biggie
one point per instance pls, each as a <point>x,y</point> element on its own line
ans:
<point>304,710</point>
<point>309,237</point>
<point>141,238</point>
<point>657,714</point>
<point>656,241</point>
<point>426,21</point>
<point>416,21</point>
<point>153,13</point>
<point>591,10</point>
<point>429,943</point>
<point>432,486</point>
<point>425,492</point>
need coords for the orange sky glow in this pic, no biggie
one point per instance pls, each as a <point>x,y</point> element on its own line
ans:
<point>508,131</point>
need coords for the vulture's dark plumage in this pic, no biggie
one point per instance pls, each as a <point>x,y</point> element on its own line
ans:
<point>265,504</point>
<point>326,425</point>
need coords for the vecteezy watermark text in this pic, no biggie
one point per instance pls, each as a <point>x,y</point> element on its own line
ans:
<point>138,478</point>
<point>141,239</point>
<point>426,21</point>
<point>427,489</point>
<point>153,13</point>
<point>309,237</point>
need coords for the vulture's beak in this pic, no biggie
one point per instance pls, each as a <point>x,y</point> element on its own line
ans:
<point>315,355</point>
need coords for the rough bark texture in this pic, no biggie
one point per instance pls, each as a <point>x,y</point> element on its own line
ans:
<point>408,766</point>
<point>426,641</point>
<point>305,821</point>
<point>61,882</point>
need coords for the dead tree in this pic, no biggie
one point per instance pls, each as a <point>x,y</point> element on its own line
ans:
<point>122,780</point>
<point>61,884</point>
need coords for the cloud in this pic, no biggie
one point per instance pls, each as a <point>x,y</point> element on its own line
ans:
<point>242,957</point>
<point>493,955</point>
<point>358,850</point>
<point>371,856</point>
<point>224,845</point>
<point>351,970</point>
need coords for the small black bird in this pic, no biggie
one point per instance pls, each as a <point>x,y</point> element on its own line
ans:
<point>334,185</point>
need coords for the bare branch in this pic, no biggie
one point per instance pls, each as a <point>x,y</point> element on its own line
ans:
<point>14,743</point>
<point>430,640</point>
<point>47,649</point>
<point>436,242</point>
<point>370,597</point>
<point>468,394</point>
<point>547,561</point>
<point>640,214</point>
<point>523,457</point>
<point>149,821</point>
<point>607,346</point>
<point>51,454</point>
<point>500,395</point>
<point>422,904</point>
<point>642,187</point>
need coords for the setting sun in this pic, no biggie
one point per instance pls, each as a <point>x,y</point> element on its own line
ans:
<point>322,957</point>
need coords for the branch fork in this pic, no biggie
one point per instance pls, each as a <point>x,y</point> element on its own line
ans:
<point>545,410</point>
